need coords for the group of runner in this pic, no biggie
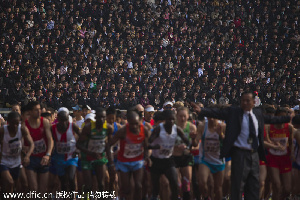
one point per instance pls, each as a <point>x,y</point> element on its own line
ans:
<point>144,155</point>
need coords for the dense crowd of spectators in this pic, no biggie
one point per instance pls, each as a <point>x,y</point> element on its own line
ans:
<point>124,52</point>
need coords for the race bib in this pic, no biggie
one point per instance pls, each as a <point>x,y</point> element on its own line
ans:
<point>15,148</point>
<point>65,148</point>
<point>39,146</point>
<point>282,142</point>
<point>96,146</point>
<point>132,150</point>
<point>166,150</point>
<point>212,146</point>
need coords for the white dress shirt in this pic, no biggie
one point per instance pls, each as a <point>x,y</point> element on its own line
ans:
<point>242,140</point>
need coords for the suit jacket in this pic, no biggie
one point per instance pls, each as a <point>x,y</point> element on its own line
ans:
<point>233,118</point>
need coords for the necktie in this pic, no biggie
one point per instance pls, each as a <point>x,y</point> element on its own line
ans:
<point>252,133</point>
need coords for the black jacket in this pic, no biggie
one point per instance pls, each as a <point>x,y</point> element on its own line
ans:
<point>233,118</point>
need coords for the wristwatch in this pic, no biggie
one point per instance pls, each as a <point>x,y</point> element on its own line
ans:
<point>48,154</point>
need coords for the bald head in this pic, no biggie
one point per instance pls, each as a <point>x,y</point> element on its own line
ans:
<point>62,116</point>
<point>133,119</point>
<point>132,114</point>
<point>139,107</point>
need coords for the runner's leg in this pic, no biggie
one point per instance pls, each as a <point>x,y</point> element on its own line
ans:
<point>126,186</point>
<point>172,176</point>
<point>195,183</point>
<point>88,180</point>
<point>204,172</point>
<point>32,180</point>
<point>218,183</point>
<point>100,173</point>
<point>7,181</point>
<point>296,181</point>
<point>227,179</point>
<point>165,194</point>
<point>286,180</point>
<point>138,179</point>
<point>43,182</point>
<point>22,185</point>
<point>276,183</point>
<point>262,179</point>
<point>155,184</point>
<point>186,173</point>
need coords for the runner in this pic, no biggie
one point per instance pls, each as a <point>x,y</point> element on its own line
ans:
<point>10,150</point>
<point>111,119</point>
<point>183,158</point>
<point>78,119</point>
<point>22,185</point>
<point>296,164</point>
<point>211,140</point>
<point>133,151</point>
<point>141,111</point>
<point>197,159</point>
<point>149,113</point>
<point>146,176</point>
<point>38,170</point>
<point>264,175</point>
<point>279,160</point>
<point>164,137</point>
<point>85,111</point>
<point>95,153</point>
<point>64,159</point>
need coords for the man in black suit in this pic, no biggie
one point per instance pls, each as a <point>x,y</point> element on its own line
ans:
<point>243,143</point>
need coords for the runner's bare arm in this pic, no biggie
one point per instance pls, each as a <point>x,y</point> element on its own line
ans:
<point>148,125</point>
<point>147,134</point>
<point>26,135</point>
<point>76,131</point>
<point>268,143</point>
<point>193,135</point>
<point>48,133</point>
<point>107,145</point>
<point>120,134</point>
<point>291,145</point>
<point>200,130</point>
<point>154,135</point>
<point>83,137</point>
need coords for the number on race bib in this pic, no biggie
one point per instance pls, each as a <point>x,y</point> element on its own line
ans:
<point>212,146</point>
<point>39,146</point>
<point>166,150</point>
<point>65,148</point>
<point>15,148</point>
<point>132,150</point>
<point>96,146</point>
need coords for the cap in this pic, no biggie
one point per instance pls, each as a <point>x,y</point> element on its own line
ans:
<point>149,109</point>
<point>77,107</point>
<point>168,103</point>
<point>296,107</point>
<point>63,109</point>
<point>90,116</point>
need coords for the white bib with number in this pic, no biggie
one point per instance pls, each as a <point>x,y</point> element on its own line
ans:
<point>166,150</point>
<point>65,148</point>
<point>283,142</point>
<point>212,146</point>
<point>132,150</point>
<point>15,148</point>
<point>96,146</point>
<point>39,146</point>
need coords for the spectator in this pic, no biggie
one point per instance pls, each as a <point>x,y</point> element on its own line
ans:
<point>196,47</point>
